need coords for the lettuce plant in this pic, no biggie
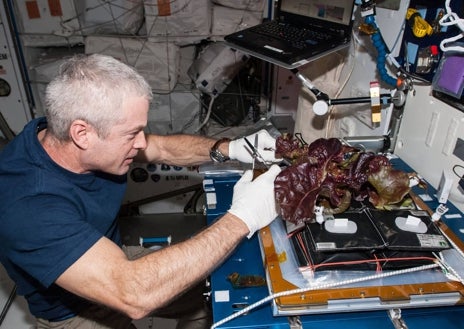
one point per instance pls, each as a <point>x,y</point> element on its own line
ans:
<point>331,174</point>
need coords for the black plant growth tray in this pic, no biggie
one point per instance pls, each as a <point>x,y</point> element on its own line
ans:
<point>368,239</point>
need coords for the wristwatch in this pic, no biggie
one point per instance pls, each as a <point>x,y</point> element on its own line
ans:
<point>215,154</point>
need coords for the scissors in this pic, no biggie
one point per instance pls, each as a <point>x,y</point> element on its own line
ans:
<point>254,152</point>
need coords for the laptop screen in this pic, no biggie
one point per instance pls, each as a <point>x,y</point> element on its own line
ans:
<point>337,11</point>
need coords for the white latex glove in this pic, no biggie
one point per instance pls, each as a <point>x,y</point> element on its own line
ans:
<point>254,201</point>
<point>239,149</point>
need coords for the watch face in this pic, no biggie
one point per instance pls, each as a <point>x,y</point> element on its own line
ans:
<point>217,156</point>
<point>213,156</point>
<point>5,88</point>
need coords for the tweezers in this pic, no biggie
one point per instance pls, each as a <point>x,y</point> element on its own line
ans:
<point>255,154</point>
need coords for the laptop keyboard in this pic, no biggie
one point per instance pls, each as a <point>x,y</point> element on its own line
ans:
<point>298,37</point>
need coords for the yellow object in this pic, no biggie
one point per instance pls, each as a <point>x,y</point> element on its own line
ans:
<point>282,257</point>
<point>420,27</point>
<point>367,29</point>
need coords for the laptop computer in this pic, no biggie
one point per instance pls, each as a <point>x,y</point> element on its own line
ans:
<point>319,27</point>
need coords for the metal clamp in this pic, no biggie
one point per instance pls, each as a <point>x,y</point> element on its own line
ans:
<point>395,317</point>
<point>294,322</point>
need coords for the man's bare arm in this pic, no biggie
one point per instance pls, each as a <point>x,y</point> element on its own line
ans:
<point>180,150</point>
<point>138,287</point>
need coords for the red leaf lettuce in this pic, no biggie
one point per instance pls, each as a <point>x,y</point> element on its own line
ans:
<point>331,174</point>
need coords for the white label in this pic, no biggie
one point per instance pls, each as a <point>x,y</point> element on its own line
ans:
<point>432,240</point>
<point>221,296</point>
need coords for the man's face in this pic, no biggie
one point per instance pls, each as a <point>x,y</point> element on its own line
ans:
<point>116,152</point>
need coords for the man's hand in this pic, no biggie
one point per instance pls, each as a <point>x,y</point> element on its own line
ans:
<point>239,150</point>
<point>254,201</point>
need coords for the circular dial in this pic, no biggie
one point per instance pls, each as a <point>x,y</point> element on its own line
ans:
<point>5,88</point>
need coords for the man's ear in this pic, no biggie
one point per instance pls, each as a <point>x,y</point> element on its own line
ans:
<point>79,133</point>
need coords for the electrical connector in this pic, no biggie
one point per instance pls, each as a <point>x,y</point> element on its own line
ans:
<point>439,212</point>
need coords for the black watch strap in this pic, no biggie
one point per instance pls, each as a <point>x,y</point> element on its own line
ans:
<point>215,154</point>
